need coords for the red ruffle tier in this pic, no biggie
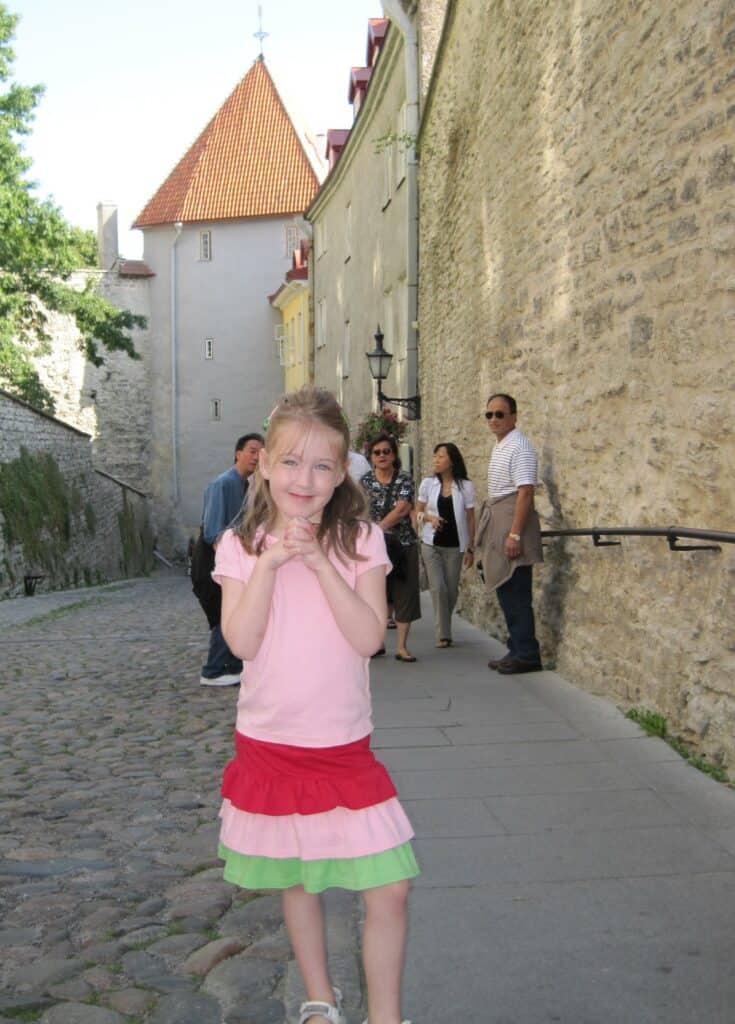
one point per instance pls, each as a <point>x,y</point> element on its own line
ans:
<point>274,778</point>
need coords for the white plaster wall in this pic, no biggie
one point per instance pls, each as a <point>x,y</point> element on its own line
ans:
<point>365,282</point>
<point>225,299</point>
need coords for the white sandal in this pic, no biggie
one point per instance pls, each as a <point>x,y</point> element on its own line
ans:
<point>316,1009</point>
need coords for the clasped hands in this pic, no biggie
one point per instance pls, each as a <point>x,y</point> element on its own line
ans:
<point>299,540</point>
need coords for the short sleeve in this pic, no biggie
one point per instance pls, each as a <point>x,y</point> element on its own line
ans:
<point>424,489</point>
<point>524,466</point>
<point>231,559</point>
<point>405,490</point>
<point>371,544</point>
<point>468,493</point>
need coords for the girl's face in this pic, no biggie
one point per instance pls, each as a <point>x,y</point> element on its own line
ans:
<point>382,456</point>
<point>442,462</point>
<point>303,467</point>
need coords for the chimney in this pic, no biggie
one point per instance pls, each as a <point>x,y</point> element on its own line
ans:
<point>107,253</point>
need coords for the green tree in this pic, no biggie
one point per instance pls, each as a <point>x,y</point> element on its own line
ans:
<point>38,252</point>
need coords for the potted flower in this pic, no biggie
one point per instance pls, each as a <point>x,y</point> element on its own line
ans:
<point>374,423</point>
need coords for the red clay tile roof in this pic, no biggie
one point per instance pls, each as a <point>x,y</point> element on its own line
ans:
<point>359,78</point>
<point>336,138</point>
<point>377,28</point>
<point>134,268</point>
<point>248,162</point>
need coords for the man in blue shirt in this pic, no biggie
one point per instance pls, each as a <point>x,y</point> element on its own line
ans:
<point>223,501</point>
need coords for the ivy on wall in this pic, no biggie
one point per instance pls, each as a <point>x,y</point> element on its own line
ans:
<point>39,508</point>
<point>136,542</point>
<point>42,511</point>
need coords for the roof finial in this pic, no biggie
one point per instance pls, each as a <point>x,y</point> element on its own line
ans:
<point>260,34</point>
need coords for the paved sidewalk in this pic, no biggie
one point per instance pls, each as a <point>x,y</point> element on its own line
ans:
<point>574,870</point>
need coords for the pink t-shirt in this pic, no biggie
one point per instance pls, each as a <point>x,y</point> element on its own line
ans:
<point>307,686</point>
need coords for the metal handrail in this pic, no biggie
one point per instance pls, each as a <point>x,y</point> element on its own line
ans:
<point>671,533</point>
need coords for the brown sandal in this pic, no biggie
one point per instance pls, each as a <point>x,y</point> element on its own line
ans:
<point>444,642</point>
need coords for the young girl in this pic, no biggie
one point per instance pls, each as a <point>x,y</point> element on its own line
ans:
<point>306,804</point>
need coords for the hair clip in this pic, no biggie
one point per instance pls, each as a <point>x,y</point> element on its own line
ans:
<point>268,418</point>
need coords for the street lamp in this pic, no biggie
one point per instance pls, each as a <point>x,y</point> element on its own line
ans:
<point>379,362</point>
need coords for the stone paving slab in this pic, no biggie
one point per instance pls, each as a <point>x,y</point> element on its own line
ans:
<point>594,809</point>
<point>613,951</point>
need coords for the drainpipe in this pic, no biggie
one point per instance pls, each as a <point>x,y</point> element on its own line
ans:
<point>394,10</point>
<point>174,376</point>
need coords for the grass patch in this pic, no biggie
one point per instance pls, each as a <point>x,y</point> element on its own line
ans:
<point>655,725</point>
<point>650,721</point>
<point>26,1014</point>
<point>58,613</point>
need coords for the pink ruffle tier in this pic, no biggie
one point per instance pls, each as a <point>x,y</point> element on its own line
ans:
<point>339,832</point>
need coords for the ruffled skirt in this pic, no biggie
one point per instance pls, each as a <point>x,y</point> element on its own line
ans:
<point>316,817</point>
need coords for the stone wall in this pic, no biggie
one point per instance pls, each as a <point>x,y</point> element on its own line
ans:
<point>112,402</point>
<point>577,249</point>
<point>59,517</point>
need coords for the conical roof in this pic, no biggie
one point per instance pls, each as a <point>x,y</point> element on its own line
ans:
<point>248,162</point>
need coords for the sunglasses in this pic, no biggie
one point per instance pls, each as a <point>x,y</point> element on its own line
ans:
<point>382,451</point>
<point>499,415</point>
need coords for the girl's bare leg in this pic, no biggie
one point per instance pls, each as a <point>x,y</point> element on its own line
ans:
<point>304,917</point>
<point>383,950</point>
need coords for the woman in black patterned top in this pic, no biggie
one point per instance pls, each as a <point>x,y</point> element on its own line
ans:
<point>390,494</point>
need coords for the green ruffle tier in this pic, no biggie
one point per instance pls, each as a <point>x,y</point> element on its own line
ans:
<point>354,873</point>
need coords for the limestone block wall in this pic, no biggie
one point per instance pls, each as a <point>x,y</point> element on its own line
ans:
<point>59,516</point>
<point>112,402</point>
<point>577,249</point>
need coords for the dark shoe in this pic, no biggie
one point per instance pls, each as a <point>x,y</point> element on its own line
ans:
<point>391,623</point>
<point>224,679</point>
<point>494,662</point>
<point>405,657</point>
<point>513,666</point>
<point>378,653</point>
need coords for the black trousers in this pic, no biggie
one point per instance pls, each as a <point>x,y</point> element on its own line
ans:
<point>516,601</point>
<point>208,593</point>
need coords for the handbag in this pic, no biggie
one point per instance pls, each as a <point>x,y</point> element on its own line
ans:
<point>396,553</point>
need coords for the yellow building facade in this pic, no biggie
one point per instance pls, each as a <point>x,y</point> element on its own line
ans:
<point>294,332</point>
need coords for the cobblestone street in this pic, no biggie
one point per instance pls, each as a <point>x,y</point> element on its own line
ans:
<point>573,868</point>
<point>113,905</point>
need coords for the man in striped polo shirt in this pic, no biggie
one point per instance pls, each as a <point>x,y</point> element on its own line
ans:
<point>513,534</point>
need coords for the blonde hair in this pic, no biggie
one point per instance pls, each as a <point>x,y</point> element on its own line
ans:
<point>344,513</point>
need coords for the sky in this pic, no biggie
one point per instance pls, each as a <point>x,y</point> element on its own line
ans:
<point>130,84</point>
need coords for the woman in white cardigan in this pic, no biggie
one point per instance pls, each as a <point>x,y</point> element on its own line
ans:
<point>446,514</point>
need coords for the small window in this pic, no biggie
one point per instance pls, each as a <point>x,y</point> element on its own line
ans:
<point>291,357</point>
<point>293,239</point>
<point>215,409</point>
<point>346,351</point>
<point>300,347</point>
<point>321,323</point>
<point>209,348</point>
<point>401,146</point>
<point>387,174</point>
<point>320,238</point>
<point>205,245</point>
<point>348,232</point>
<point>280,343</point>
